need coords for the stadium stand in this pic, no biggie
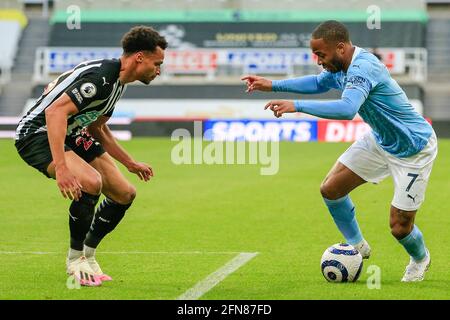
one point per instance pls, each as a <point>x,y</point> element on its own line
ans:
<point>10,34</point>
<point>213,42</point>
<point>34,33</point>
<point>205,41</point>
<point>437,88</point>
<point>220,40</point>
<point>12,21</point>
<point>239,4</point>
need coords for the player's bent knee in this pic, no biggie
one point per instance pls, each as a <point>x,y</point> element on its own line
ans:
<point>93,184</point>
<point>401,222</point>
<point>131,193</point>
<point>328,192</point>
<point>400,231</point>
<point>126,196</point>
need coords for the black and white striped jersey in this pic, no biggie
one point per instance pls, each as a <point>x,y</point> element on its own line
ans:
<point>94,88</point>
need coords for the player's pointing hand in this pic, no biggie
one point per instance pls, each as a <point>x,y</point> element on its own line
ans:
<point>257,83</point>
<point>280,106</point>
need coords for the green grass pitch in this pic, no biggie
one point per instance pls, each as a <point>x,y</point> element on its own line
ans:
<point>190,220</point>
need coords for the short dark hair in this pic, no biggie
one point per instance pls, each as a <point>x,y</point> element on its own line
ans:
<point>331,31</point>
<point>142,38</point>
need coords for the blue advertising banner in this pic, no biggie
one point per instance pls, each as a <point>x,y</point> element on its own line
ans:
<point>63,59</point>
<point>269,61</point>
<point>260,130</point>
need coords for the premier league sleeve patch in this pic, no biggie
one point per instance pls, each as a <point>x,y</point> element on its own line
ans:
<point>358,82</point>
<point>84,91</point>
<point>88,90</point>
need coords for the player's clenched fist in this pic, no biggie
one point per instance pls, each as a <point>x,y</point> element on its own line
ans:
<point>257,83</point>
<point>280,106</point>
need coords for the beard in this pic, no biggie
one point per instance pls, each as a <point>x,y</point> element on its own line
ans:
<point>335,65</point>
<point>147,80</point>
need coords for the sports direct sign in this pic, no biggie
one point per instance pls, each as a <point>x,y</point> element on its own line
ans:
<point>288,130</point>
<point>341,131</point>
<point>262,130</point>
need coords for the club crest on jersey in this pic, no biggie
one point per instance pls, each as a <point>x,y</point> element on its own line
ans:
<point>88,89</point>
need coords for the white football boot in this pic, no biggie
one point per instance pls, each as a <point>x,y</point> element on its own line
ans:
<point>415,270</point>
<point>82,271</point>
<point>363,248</point>
<point>97,270</point>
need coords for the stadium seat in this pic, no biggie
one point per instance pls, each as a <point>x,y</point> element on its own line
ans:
<point>12,21</point>
<point>10,35</point>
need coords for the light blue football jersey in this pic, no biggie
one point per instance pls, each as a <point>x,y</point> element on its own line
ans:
<point>397,127</point>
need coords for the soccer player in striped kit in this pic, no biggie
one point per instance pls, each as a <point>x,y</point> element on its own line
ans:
<point>65,136</point>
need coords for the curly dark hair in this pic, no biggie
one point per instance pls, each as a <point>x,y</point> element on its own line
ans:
<point>331,31</point>
<point>142,38</point>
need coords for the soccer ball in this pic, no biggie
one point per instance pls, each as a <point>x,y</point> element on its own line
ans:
<point>341,263</point>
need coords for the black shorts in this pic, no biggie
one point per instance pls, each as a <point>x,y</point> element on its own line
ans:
<point>35,150</point>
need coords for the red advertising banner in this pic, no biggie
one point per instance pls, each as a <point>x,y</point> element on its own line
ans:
<point>190,61</point>
<point>341,131</point>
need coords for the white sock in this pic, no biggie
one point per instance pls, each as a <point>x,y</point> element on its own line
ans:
<point>74,254</point>
<point>88,251</point>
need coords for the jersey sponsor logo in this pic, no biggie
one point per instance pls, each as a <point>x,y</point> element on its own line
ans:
<point>88,89</point>
<point>104,81</point>
<point>87,118</point>
<point>77,95</point>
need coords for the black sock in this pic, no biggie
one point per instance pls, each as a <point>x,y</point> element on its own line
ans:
<point>81,213</point>
<point>107,217</point>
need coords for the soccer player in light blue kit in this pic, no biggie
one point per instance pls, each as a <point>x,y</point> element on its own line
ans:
<point>401,143</point>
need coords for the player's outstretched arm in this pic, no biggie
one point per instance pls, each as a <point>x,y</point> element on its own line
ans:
<point>56,119</point>
<point>257,83</point>
<point>100,131</point>
<point>280,106</point>
<point>344,109</point>
<point>306,84</point>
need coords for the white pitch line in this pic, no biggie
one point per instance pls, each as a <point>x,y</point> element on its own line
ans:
<point>28,252</point>
<point>122,252</point>
<point>168,252</point>
<point>216,277</point>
